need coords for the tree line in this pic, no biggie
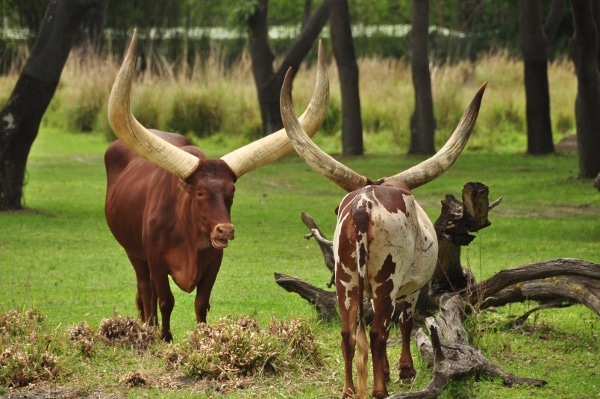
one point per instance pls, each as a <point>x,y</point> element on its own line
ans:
<point>483,24</point>
<point>530,27</point>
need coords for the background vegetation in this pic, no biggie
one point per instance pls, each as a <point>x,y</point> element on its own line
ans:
<point>477,26</point>
<point>220,102</point>
<point>60,259</point>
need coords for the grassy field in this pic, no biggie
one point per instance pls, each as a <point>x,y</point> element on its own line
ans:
<point>60,258</point>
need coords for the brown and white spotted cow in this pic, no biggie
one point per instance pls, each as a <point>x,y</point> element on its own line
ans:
<point>385,246</point>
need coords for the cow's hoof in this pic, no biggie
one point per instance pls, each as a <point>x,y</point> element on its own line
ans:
<point>407,372</point>
<point>348,393</point>
<point>380,395</point>
<point>167,336</point>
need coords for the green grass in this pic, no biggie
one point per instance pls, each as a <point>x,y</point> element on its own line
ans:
<point>60,258</point>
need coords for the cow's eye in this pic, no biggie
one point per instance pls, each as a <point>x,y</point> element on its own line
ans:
<point>199,194</point>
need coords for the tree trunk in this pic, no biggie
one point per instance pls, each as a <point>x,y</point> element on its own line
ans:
<point>90,41</point>
<point>345,57</point>
<point>422,121</point>
<point>307,12</point>
<point>583,49</point>
<point>21,116</point>
<point>534,50</point>
<point>263,69</point>
<point>268,81</point>
<point>553,20</point>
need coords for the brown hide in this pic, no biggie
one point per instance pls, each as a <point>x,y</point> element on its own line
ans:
<point>165,225</point>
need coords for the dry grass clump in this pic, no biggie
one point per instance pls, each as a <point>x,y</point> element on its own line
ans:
<point>134,379</point>
<point>26,351</point>
<point>84,337</point>
<point>125,332</point>
<point>226,352</point>
<point>128,332</point>
<point>230,349</point>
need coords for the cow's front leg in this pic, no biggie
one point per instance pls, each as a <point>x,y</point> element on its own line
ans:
<point>145,298</point>
<point>203,290</point>
<point>166,302</point>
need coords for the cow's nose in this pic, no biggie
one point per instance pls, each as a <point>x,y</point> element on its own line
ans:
<point>221,235</point>
<point>224,231</point>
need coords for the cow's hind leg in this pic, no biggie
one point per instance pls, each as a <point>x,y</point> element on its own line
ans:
<point>407,370</point>
<point>348,332</point>
<point>379,335</point>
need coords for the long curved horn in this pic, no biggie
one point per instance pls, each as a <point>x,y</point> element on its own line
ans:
<point>136,136</point>
<point>276,145</point>
<point>309,151</point>
<point>441,161</point>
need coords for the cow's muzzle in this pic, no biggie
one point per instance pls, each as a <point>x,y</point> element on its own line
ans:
<point>221,234</point>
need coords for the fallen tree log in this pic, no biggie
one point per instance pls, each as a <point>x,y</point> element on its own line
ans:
<point>454,292</point>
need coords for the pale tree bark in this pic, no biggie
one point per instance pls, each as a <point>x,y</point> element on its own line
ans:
<point>345,57</point>
<point>422,120</point>
<point>21,116</point>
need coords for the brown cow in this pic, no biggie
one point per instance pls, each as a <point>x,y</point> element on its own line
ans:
<point>385,246</point>
<point>169,206</point>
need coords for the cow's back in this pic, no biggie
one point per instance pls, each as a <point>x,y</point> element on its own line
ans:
<point>392,236</point>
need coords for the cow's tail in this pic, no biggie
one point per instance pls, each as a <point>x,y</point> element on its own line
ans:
<point>363,354</point>
<point>360,219</point>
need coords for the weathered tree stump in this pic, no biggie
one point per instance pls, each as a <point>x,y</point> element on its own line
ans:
<point>453,291</point>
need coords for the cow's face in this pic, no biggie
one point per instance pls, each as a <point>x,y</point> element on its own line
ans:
<point>210,190</point>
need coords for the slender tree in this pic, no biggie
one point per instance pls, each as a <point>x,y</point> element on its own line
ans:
<point>534,44</point>
<point>20,118</point>
<point>583,49</point>
<point>345,57</point>
<point>422,121</point>
<point>95,27</point>
<point>268,81</point>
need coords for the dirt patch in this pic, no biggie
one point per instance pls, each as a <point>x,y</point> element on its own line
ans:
<point>553,211</point>
<point>567,144</point>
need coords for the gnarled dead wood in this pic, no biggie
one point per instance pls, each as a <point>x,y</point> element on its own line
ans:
<point>574,279</point>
